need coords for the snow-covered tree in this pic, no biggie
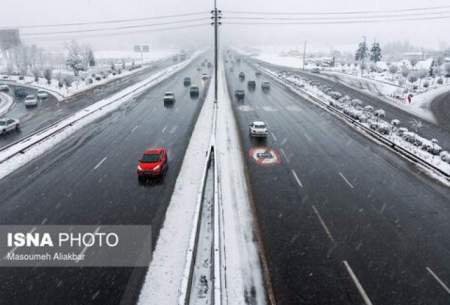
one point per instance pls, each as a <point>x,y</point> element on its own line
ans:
<point>375,52</point>
<point>361,52</point>
<point>393,69</point>
<point>74,59</point>
<point>48,75</point>
<point>36,73</point>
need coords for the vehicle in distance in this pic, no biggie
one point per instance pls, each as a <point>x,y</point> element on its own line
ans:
<point>169,97</point>
<point>20,92</point>
<point>205,76</point>
<point>251,84</point>
<point>258,73</point>
<point>241,76</point>
<point>153,164</point>
<point>315,70</point>
<point>194,91</point>
<point>258,129</point>
<point>187,81</point>
<point>265,86</point>
<point>239,94</point>
<point>31,101</point>
<point>8,124</point>
<point>4,88</point>
<point>41,94</point>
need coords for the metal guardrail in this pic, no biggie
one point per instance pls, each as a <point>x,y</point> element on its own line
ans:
<point>372,133</point>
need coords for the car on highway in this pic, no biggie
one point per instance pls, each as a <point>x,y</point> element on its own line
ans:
<point>41,94</point>
<point>187,81</point>
<point>169,97</point>
<point>258,129</point>
<point>265,86</point>
<point>239,94</point>
<point>194,91</point>
<point>241,76</point>
<point>4,88</point>
<point>315,70</point>
<point>8,124</point>
<point>20,92</point>
<point>258,73</point>
<point>205,76</point>
<point>153,164</point>
<point>251,84</point>
<point>31,101</point>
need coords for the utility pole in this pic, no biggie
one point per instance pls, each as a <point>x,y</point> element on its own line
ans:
<point>217,15</point>
<point>304,54</point>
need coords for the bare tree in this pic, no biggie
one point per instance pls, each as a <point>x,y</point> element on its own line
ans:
<point>48,75</point>
<point>74,59</point>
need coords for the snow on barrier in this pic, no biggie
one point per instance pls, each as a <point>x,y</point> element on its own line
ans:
<point>418,150</point>
<point>6,101</point>
<point>18,153</point>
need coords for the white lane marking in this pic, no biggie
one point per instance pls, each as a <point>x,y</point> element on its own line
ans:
<point>269,109</point>
<point>86,247</point>
<point>324,225</point>
<point>284,155</point>
<point>134,128</point>
<point>164,129</point>
<point>438,280</point>
<point>296,178</point>
<point>44,221</point>
<point>358,284</point>
<point>307,137</point>
<point>100,163</point>
<point>273,136</point>
<point>345,179</point>
<point>174,128</point>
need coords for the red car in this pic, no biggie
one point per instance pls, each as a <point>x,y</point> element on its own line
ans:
<point>153,164</point>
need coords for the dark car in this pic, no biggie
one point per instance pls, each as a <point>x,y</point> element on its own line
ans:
<point>251,84</point>
<point>241,76</point>
<point>239,94</point>
<point>20,92</point>
<point>265,86</point>
<point>194,91</point>
<point>258,73</point>
<point>187,81</point>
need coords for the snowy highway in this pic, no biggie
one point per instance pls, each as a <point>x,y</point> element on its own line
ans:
<point>342,219</point>
<point>50,110</point>
<point>90,178</point>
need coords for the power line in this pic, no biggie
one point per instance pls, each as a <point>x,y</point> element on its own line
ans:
<point>356,21</point>
<point>423,14</point>
<point>106,21</point>
<point>113,28</point>
<point>341,12</point>
<point>71,36</point>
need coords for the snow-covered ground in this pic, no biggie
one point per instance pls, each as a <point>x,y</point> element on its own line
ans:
<point>6,102</point>
<point>85,80</point>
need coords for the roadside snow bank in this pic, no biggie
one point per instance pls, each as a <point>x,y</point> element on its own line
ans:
<point>243,266</point>
<point>166,272</point>
<point>6,102</point>
<point>21,153</point>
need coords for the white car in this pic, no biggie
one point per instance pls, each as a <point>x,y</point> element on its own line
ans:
<point>42,94</point>
<point>8,124</point>
<point>258,129</point>
<point>31,101</point>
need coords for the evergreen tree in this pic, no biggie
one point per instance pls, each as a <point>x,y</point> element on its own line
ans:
<point>362,51</point>
<point>375,52</point>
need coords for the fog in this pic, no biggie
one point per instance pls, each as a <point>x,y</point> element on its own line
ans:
<point>18,13</point>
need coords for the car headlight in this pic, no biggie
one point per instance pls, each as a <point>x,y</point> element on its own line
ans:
<point>157,167</point>
<point>139,168</point>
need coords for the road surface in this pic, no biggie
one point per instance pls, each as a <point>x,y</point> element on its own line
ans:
<point>91,179</point>
<point>343,220</point>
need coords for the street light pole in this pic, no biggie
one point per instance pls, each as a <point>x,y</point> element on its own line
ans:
<point>216,16</point>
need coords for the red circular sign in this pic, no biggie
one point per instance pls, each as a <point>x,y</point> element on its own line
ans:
<point>265,156</point>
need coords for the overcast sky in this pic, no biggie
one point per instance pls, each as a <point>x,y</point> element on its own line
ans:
<point>429,33</point>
